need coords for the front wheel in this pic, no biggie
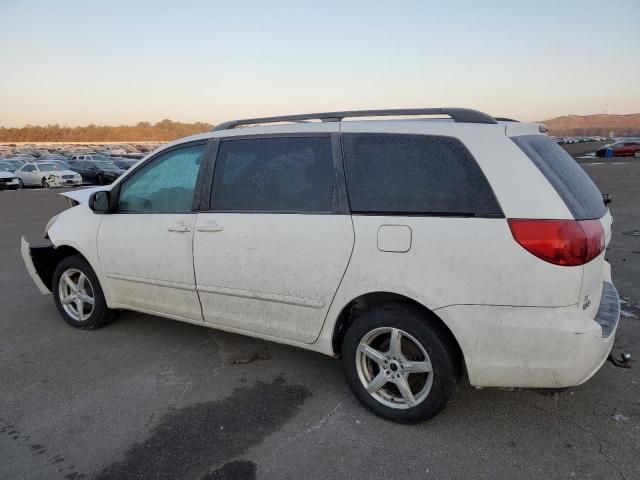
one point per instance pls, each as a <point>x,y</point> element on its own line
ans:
<point>20,183</point>
<point>78,295</point>
<point>398,364</point>
<point>637,154</point>
<point>45,184</point>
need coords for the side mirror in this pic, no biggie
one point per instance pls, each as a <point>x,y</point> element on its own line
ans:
<point>99,202</point>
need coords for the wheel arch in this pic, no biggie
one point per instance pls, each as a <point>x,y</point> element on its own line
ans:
<point>46,259</point>
<point>370,300</point>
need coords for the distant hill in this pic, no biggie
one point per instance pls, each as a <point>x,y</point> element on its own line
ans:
<point>165,130</point>
<point>578,125</point>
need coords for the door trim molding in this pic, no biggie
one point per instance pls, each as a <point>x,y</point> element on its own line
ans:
<point>267,297</point>
<point>152,281</point>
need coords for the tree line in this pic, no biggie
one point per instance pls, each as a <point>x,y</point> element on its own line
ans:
<point>164,130</point>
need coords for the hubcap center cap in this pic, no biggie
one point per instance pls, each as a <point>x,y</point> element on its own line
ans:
<point>394,366</point>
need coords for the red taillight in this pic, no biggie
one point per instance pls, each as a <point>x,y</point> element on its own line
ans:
<point>562,242</point>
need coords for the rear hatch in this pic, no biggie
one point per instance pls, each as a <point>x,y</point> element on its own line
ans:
<point>586,204</point>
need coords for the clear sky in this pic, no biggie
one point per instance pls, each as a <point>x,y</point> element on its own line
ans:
<point>114,62</point>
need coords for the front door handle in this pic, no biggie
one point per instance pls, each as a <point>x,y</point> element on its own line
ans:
<point>209,227</point>
<point>180,228</point>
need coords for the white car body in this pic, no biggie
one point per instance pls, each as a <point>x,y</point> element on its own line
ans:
<point>519,321</point>
<point>32,174</point>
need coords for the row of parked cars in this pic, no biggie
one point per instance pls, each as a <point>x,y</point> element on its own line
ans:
<point>56,170</point>
<point>625,148</point>
<point>571,140</point>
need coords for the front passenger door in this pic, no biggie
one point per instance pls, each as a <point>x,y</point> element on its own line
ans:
<point>145,247</point>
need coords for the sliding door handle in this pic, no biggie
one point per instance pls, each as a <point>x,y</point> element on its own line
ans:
<point>209,227</point>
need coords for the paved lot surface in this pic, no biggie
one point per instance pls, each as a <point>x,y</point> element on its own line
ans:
<point>147,397</point>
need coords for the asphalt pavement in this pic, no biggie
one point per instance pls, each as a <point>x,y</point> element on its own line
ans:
<point>147,397</point>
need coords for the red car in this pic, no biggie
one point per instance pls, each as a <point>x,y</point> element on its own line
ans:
<point>620,149</point>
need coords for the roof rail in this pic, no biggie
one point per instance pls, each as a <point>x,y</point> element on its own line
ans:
<point>463,115</point>
<point>505,119</point>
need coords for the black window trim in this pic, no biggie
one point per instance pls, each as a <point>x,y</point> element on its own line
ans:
<point>115,192</point>
<point>373,213</point>
<point>340,205</point>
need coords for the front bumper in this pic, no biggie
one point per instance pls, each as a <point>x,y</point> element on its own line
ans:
<point>533,347</point>
<point>64,182</point>
<point>11,184</point>
<point>42,268</point>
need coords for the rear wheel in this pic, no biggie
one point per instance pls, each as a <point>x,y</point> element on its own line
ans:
<point>78,295</point>
<point>399,365</point>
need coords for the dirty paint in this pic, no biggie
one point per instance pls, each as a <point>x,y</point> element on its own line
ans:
<point>190,442</point>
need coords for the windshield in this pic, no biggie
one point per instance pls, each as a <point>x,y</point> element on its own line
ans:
<point>105,165</point>
<point>6,167</point>
<point>50,167</point>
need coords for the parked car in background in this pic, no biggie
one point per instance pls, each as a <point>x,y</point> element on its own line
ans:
<point>63,163</point>
<point>414,250</point>
<point>16,162</point>
<point>620,149</point>
<point>25,157</point>
<point>99,172</point>
<point>47,175</point>
<point>6,166</point>
<point>8,179</point>
<point>124,163</point>
<point>52,156</point>
<point>88,156</point>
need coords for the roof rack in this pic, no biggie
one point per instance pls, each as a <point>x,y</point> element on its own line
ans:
<point>505,119</point>
<point>463,115</point>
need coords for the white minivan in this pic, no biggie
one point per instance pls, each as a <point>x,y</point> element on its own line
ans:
<point>413,248</point>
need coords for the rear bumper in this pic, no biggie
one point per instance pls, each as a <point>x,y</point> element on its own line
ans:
<point>40,269</point>
<point>531,346</point>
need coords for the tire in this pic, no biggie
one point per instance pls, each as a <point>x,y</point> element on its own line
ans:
<point>74,268</point>
<point>422,342</point>
<point>99,180</point>
<point>20,183</point>
<point>636,154</point>
<point>45,184</point>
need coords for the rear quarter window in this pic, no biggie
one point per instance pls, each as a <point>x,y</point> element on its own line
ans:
<point>574,186</point>
<point>399,174</point>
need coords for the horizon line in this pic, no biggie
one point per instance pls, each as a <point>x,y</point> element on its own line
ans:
<point>152,123</point>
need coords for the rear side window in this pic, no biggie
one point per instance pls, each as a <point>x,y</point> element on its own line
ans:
<point>414,175</point>
<point>577,190</point>
<point>278,175</point>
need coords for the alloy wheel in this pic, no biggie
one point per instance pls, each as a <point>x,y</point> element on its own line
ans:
<point>394,368</point>
<point>76,294</point>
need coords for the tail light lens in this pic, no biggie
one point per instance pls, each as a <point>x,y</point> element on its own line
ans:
<point>562,242</point>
